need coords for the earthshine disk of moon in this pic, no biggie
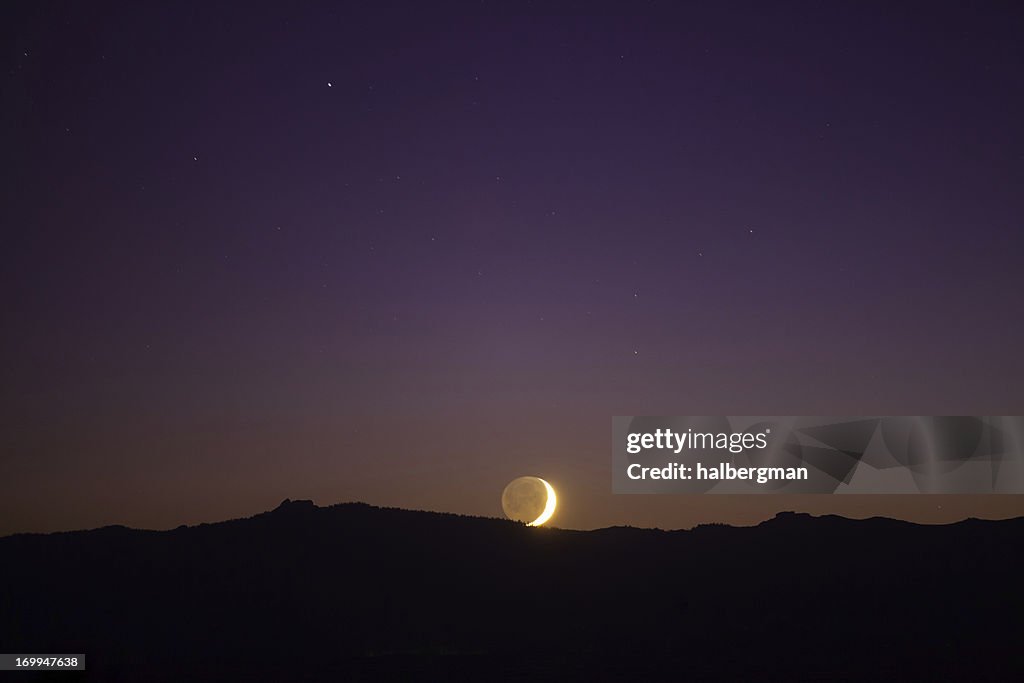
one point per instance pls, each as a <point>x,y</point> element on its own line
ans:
<point>529,499</point>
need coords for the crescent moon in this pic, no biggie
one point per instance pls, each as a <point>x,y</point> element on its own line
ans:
<point>529,500</point>
<point>549,506</point>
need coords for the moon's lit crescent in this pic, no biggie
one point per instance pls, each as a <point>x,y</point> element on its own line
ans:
<point>529,500</point>
<point>549,506</point>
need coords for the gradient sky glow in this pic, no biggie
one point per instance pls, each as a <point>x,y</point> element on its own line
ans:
<point>406,252</point>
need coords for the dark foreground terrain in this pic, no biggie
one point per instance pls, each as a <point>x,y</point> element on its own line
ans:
<point>352,592</point>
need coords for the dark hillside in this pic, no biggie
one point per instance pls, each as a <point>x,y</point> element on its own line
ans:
<point>353,592</point>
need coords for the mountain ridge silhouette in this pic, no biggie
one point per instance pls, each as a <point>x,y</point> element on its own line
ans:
<point>299,506</point>
<point>357,592</point>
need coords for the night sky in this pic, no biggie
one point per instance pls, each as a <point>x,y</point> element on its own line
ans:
<point>406,252</point>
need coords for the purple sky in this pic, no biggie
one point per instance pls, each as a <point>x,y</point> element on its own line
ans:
<point>408,253</point>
